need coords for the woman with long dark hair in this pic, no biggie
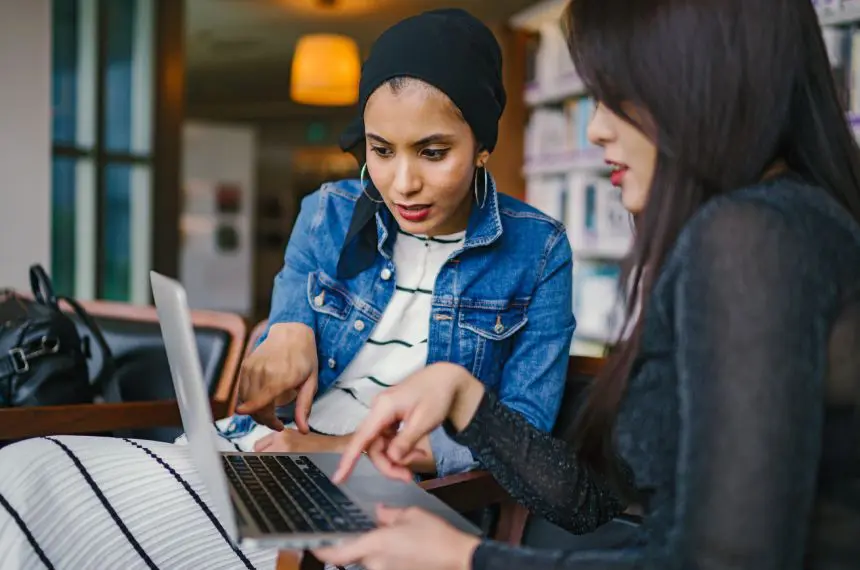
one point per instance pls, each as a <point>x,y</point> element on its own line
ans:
<point>727,410</point>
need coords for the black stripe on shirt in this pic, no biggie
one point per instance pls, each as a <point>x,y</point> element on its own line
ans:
<point>353,395</point>
<point>98,492</point>
<point>378,381</point>
<point>23,526</point>
<point>388,342</point>
<point>203,506</point>
<point>416,290</point>
<point>394,341</point>
<point>433,239</point>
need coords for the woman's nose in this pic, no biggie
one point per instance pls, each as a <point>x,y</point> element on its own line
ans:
<point>599,131</point>
<point>406,180</point>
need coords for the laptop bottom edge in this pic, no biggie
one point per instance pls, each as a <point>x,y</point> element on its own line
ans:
<point>297,541</point>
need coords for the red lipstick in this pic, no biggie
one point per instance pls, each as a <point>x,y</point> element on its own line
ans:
<point>616,177</point>
<point>414,214</point>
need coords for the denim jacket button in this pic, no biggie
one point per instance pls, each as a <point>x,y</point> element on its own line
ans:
<point>359,325</point>
<point>386,274</point>
<point>332,363</point>
<point>319,300</point>
<point>499,328</point>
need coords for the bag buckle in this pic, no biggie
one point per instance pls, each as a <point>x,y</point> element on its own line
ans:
<point>21,360</point>
<point>20,364</point>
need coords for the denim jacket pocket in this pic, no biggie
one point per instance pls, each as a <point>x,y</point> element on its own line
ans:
<point>485,333</point>
<point>327,297</point>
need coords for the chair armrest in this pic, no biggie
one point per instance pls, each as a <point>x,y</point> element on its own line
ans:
<point>35,421</point>
<point>465,492</point>
<point>294,560</point>
<point>289,560</point>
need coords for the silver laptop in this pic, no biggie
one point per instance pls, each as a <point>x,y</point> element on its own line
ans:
<point>282,500</point>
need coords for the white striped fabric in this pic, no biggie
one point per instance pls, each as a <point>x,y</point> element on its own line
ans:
<point>398,343</point>
<point>91,503</point>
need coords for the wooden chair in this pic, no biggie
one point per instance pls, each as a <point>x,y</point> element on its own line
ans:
<point>255,335</point>
<point>134,335</point>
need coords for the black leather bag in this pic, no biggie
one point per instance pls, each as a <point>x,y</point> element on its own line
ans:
<point>44,360</point>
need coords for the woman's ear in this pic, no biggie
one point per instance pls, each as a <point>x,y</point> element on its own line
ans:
<point>482,158</point>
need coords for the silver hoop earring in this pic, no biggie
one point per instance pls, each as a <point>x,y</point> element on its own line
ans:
<point>364,186</point>
<point>477,199</point>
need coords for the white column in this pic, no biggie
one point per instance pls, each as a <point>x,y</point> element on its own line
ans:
<point>25,139</point>
<point>85,173</point>
<point>141,133</point>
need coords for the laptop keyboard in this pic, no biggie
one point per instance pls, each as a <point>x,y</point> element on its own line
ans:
<point>288,494</point>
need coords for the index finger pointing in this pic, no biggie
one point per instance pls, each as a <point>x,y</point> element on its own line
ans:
<point>262,398</point>
<point>373,427</point>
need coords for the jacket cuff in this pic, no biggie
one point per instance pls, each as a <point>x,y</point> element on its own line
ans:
<point>451,457</point>
<point>299,316</point>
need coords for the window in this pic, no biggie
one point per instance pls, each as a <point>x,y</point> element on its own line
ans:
<point>103,93</point>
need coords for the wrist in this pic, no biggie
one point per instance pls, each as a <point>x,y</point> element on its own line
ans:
<point>291,331</point>
<point>463,552</point>
<point>468,392</point>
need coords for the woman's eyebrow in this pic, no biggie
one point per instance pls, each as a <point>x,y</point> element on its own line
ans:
<point>377,138</point>
<point>430,139</point>
<point>434,138</point>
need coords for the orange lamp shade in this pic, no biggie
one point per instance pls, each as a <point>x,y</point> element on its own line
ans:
<point>326,70</point>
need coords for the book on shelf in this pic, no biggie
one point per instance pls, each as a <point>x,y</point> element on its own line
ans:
<point>566,179</point>
<point>556,133</point>
<point>843,50</point>
<point>837,11</point>
<point>550,74</point>
<point>590,207</point>
<point>549,195</point>
<point>532,45</point>
<point>596,302</point>
<point>600,233</point>
<point>553,58</point>
<point>598,226</point>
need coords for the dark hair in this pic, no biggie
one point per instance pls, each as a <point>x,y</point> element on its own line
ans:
<point>401,82</point>
<point>726,88</point>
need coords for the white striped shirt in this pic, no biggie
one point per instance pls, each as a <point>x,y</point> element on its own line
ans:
<point>398,344</point>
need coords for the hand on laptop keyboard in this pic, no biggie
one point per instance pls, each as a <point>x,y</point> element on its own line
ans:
<point>407,538</point>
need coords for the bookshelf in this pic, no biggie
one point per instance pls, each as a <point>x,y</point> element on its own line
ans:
<point>566,176</point>
<point>837,12</point>
<point>840,22</point>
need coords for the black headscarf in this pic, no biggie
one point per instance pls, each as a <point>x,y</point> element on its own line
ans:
<point>454,52</point>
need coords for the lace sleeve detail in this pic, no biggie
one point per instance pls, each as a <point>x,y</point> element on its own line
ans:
<point>538,470</point>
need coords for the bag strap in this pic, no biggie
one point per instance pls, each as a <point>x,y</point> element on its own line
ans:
<point>43,289</point>
<point>102,381</point>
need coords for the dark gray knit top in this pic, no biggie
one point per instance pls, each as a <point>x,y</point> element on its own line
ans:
<point>738,422</point>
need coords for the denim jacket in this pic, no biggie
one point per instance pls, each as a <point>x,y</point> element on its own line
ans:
<point>501,306</point>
